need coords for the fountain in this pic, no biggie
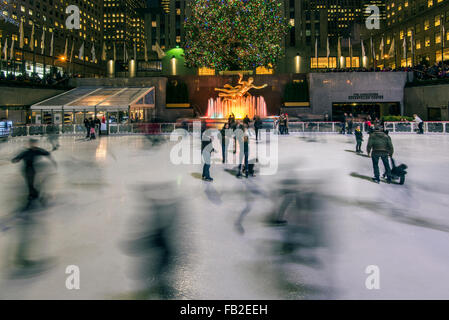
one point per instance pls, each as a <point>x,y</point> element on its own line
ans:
<point>252,106</point>
<point>237,100</point>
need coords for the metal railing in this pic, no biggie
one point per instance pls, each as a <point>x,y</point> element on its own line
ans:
<point>431,127</point>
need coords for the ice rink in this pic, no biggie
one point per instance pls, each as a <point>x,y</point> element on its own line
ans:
<point>140,227</point>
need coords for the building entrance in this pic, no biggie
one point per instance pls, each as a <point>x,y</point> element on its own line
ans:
<point>362,110</point>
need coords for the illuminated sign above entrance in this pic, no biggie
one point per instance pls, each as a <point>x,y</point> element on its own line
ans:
<point>366,96</point>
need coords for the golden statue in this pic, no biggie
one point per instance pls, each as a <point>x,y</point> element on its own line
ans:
<point>240,90</point>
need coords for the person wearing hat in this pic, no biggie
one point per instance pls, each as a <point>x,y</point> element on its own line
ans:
<point>380,146</point>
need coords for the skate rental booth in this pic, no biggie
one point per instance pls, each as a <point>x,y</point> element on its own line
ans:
<point>116,104</point>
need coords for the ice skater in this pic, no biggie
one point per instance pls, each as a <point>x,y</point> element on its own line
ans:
<point>420,124</point>
<point>343,124</point>
<point>87,126</point>
<point>244,153</point>
<point>92,129</point>
<point>257,126</point>
<point>29,156</point>
<point>350,123</point>
<point>53,137</point>
<point>380,147</point>
<point>224,141</point>
<point>359,139</point>
<point>206,151</point>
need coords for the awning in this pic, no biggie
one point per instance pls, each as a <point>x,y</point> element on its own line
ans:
<point>105,99</point>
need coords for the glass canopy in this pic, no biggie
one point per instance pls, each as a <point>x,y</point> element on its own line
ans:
<point>108,99</point>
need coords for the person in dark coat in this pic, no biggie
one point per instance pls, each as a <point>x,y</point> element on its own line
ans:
<point>380,146</point>
<point>224,141</point>
<point>350,123</point>
<point>87,125</point>
<point>206,151</point>
<point>231,120</point>
<point>281,124</point>
<point>286,124</point>
<point>257,126</point>
<point>246,120</point>
<point>98,125</point>
<point>92,129</point>
<point>29,157</point>
<point>358,139</point>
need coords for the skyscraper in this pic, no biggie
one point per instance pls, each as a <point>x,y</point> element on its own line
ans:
<point>124,27</point>
<point>55,47</point>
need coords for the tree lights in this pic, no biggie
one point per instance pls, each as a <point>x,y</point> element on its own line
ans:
<point>235,34</point>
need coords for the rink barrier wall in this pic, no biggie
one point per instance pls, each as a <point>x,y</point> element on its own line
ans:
<point>430,127</point>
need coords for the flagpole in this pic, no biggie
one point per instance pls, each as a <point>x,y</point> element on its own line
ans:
<point>395,57</point>
<point>43,43</point>
<point>442,41</point>
<point>350,52</point>
<point>34,51</point>
<point>413,48</point>
<point>406,53</point>
<point>13,60</point>
<point>21,45</point>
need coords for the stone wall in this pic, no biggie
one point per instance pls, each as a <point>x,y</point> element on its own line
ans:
<point>419,99</point>
<point>353,87</point>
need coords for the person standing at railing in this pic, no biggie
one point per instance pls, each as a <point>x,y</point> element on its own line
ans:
<point>92,129</point>
<point>286,123</point>
<point>98,125</point>
<point>350,123</point>
<point>87,126</point>
<point>420,124</point>
<point>343,124</point>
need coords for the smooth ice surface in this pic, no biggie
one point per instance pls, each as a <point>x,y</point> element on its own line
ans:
<point>339,222</point>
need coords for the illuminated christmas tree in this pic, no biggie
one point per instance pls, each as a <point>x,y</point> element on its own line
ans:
<point>235,34</point>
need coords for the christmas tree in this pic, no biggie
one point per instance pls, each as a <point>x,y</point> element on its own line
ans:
<point>235,34</point>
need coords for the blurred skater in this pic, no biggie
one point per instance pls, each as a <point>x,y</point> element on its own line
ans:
<point>29,156</point>
<point>53,137</point>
